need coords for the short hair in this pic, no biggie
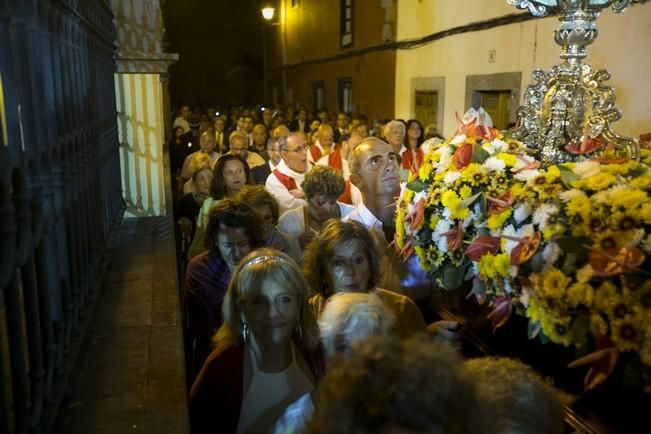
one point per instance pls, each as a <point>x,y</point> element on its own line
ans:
<point>264,265</point>
<point>198,171</point>
<point>280,131</point>
<point>321,249</point>
<point>417,384</point>
<point>392,124</point>
<point>232,214</point>
<point>283,141</point>
<point>199,160</point>
<point>355,154</point>
<point>218,186</point>
<point>324,128</point>
<point>272,141</point>
<point>237,135</point>
<point>355,316</point>
<point>520,400</point>
<point>323,180</point>
<point>256,196</point>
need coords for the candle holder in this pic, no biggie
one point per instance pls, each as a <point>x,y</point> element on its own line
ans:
<point>568,111</point>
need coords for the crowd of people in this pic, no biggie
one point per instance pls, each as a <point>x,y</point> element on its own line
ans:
<point>301,315</point>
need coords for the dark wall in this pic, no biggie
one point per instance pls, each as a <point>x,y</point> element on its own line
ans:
<point>220,48</point>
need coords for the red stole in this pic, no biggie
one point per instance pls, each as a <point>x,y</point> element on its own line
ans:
<point>285,180</point>
<point>334,160</point>
<point>347,195</point>
<point>316,153</point>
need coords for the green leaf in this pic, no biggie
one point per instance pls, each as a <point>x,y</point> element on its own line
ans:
<point>453,277</point>
<point>568,176</point>
<point>573,244</point>
<point>479,155</point>
<point>533,329</point>
<point>543,337</point>
<point>580,327</point>
<point>416,185</point>
<point>467,203</point>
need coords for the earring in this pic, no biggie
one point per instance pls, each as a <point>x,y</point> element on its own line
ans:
<point>245,332</point>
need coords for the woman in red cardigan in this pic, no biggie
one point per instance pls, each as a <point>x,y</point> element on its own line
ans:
<point>268,351</point>
<point>412,157</point>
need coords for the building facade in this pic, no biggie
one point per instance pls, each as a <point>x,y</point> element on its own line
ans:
<point>485,56</point>
<point>332,54</point>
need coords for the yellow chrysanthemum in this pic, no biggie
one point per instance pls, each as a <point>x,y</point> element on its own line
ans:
<point>598,326</point>
<point>496,221</point>
<point>450,200</point>
<point>600,181</point>
<point>465,192</point>
<point>627,198</point>
<point>584,274</point>
<point>552,174</point>
<point>422,256</point>
<point>492,266</point>
<point>628,332</point>
<point>509,159</point>
<point>424,171</point>
<point>606,297</point>
<point>433,221</point>
<point>580,294</point>
<point>472,174</point>
<point>553,230</point>
<point>642,182</point>
<point>555,281</point>
<point>645,213</point>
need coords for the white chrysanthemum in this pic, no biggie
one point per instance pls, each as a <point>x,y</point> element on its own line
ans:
<point>587,169</point>
<point>522,212</point>
<point>513,271</point>
<point>495,147</point>
<point>550,254</point>
<point>441,227</point>
<point>442,244</point>
<point>568,195</point>
<point>493,164</point>
<point>508,289</point>
<point>451,177</point>
<point>445,153</point>
<point>527,175</point>
<point>525,295</point>
<point>542,214</point>
<point>458,139</point>
<point>511,231</point>
<point>420,195</point>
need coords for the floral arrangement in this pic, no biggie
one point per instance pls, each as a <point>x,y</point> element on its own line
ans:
<point>567,246</point>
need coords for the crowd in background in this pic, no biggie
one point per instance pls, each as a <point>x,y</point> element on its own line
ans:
<point>300,314</point>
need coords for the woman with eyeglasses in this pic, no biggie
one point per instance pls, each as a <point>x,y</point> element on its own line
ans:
<point>267,350</point>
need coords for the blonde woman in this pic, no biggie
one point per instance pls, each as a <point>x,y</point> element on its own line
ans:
<point>267,350</point>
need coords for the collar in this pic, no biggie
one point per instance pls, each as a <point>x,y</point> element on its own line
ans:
<point>403,149</point>
<point>367,218</point>
<point>284,168</point>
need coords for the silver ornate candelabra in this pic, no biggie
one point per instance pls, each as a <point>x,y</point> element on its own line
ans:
<point>567,111</point>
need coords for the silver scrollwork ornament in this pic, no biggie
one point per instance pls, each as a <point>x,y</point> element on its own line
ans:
<point>571,103</point>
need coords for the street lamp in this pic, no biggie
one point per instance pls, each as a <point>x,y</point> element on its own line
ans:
<point>268,13</point>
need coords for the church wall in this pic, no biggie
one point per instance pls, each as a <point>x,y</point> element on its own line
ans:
<point>518,48</point>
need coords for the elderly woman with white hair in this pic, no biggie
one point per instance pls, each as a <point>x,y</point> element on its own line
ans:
<point>395,132</point>
<point>348,318</point>
<point>267,350</point>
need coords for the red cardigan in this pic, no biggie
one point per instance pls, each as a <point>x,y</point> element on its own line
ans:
<point>217,393</point>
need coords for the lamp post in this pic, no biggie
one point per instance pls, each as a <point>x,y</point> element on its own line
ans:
<point>268,15</point>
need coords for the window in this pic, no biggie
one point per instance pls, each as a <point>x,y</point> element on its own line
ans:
<point>318,95</point>
<point>345,92</point>
<point>347,18</point>
<point>427,105</point>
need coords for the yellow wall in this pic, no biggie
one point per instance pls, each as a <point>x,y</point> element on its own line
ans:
<point>140,130</point>
<point>310,31</point>
<point>621,48</point>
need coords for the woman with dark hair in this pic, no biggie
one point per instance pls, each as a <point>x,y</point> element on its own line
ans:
<point>266,206</point>
<point>230,174</point>
<point>412,157</point>
<point>190,204</point>
<point>232,232</point>
<point>267,350</point>
<point>342,258</point>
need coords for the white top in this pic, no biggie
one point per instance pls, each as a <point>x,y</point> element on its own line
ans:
<point>269,394</point>
<point>345,169</point>
<point>395,274</point>
<point>292,222</point>
<point>296,417</point>
<point>286,200</point>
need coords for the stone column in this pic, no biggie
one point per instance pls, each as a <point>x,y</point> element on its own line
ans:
<point>141,93</point>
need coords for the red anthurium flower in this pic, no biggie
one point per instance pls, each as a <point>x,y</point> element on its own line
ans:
<point>463,155</point>
<point>618,260</point>
<point>487,132</point>
<point>469,129</point>
<point>406,252</point>
<point>587,145</point>
<point>526,248</point>
<point>528,165</point>
<point>417,215</point>
<point>502,309</point>
<point>481,246</point>
<point>603,362</point>
<point>499,204</point>
<point>455,237</point>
